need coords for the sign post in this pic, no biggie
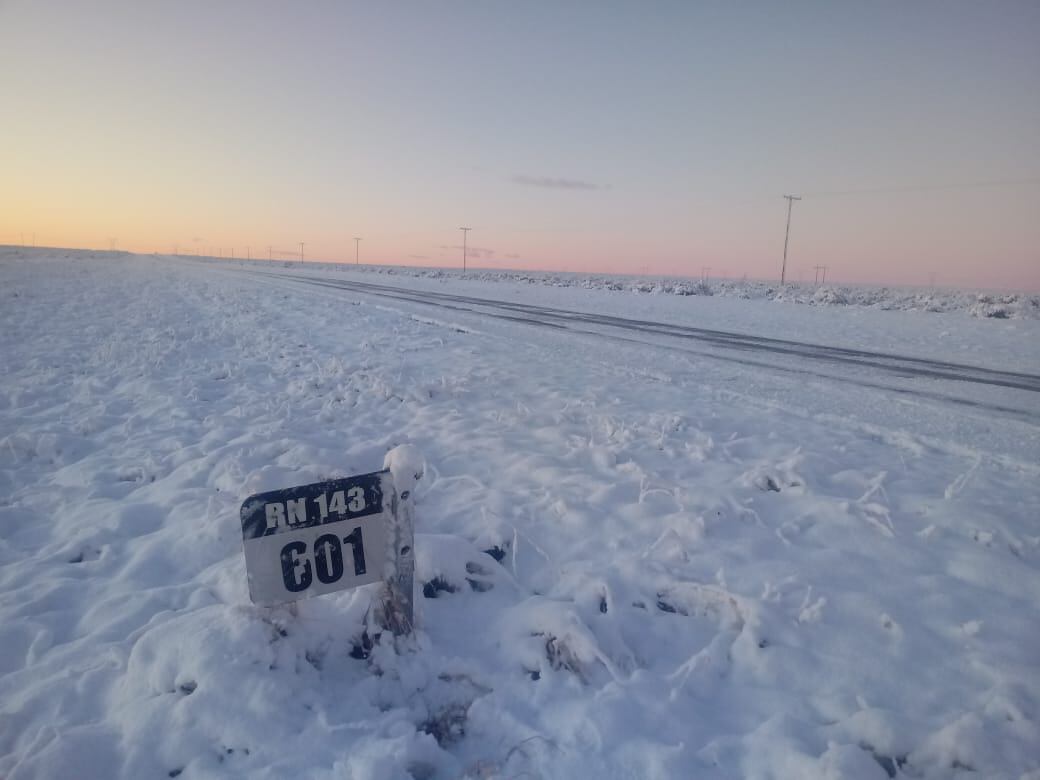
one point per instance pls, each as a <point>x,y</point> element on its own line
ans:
<point>398,602</point>
<point>328,536</point>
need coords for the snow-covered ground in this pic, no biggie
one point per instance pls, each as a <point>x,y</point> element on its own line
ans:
<point>989,304</point>
<point>640,553</point>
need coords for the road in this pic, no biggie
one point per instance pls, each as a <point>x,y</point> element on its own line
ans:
<point>742,344</point>
<point>970,408</point>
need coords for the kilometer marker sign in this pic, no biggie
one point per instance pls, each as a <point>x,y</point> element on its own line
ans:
<point>319,538</point>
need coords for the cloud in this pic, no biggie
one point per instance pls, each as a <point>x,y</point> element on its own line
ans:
<point>553,183</point>
<point>477,252</point>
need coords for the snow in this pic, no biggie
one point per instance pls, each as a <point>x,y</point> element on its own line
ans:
<point>985,304</point>
<point>406,464</point>
<point>631,560</point>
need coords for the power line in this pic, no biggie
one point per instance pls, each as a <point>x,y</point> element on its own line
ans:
<point>968,185</point>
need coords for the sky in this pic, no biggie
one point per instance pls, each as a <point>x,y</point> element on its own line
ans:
<point>636,137</point>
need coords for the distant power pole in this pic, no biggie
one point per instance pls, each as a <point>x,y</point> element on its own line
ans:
<point>705,272</point>
<point>465,232</point>
<point>249,254</point>
<point>269,255</point>
<point>357,250</point>
<point>301,253</point>
<point>790,202</point>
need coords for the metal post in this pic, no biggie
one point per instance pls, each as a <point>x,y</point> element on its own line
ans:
<point>301,253</point>
<point>357,250</point>
<point>397,608</point>
<point>790,201</point>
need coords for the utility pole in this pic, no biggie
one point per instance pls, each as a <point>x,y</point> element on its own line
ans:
<point>705,272</point>
<point>249,254</point>
<point>357,250</point>
<point>790,202</point>
<point>819,268</point>
<point>301,253</point>
<point>465,232</point>
<point>269,255</point>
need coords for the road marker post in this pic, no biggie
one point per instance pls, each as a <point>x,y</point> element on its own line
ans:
<point>328,536</point>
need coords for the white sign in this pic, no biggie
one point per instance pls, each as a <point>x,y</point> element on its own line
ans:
<point>319,538</point>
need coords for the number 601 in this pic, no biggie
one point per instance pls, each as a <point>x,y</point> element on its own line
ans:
<point>297,571</point>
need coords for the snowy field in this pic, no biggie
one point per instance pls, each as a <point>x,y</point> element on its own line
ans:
<point>659,536</point>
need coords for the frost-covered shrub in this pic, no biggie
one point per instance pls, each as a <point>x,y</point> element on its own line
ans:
<point>692,288</point>
<point>829,296</point>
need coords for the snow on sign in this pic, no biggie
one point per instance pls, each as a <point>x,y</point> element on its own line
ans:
<point>319,538</point>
